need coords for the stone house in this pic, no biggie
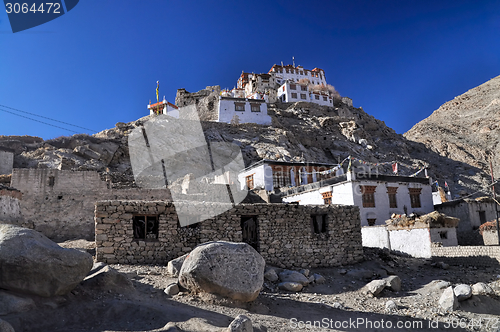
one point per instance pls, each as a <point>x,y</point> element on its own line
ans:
<point>245,110</point>
<point>291,92</point>
<point>286,235</point>
<point>472,214</point>
<point>377,196</point>
<point>10,210</point>
<point>164,107</point>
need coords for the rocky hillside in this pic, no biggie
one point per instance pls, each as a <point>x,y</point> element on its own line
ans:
<point>299,132</point>
<point>465,129</point>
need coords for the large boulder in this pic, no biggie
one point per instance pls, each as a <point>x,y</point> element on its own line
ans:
<point>174,266</point>
<point>293,276</point>
<point>448,301</point>
<point>31,263</point>
<point>234,270</point>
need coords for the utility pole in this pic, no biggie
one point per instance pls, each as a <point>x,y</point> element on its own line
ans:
<point>495,198</point>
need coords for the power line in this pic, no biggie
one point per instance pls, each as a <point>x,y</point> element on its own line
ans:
<point>49,124</point>
<point>44,117</point>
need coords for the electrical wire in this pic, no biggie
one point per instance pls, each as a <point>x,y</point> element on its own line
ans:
<point>49,124</point>
<point>44,117</point>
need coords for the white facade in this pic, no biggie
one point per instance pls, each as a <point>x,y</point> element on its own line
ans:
<point>291,73</point>
<point>164,107</point>
<point>350,193</point>
<point>261,175</point>
<point>293,92</point>
<point>243,111</point>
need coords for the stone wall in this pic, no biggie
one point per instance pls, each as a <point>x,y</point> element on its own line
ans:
<point>10,210</point>
<point>6,160</point>
<point>467,255</point>
<point>60,203</point>
<point>285,233</point>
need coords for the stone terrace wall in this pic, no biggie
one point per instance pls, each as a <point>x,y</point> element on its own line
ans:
<point>60,203</point>
<point>285,234</point>
<point>467,255</point>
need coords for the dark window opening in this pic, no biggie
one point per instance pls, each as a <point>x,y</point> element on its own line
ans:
<point>145,227</point>
<point>371,221</point>
<point>368,196</point>
<point>318,223</point>
<point>327,197</point>
<point>443,235</point>
<point>249,234</point>
<point>249,181</point>
<point>52,181</point>
<point>391,191</point>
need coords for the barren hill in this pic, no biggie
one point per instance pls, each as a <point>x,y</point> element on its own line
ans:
<point>300,131</point>
<point>465,129</point>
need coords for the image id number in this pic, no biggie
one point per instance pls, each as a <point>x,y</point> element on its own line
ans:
<point>25,8</point>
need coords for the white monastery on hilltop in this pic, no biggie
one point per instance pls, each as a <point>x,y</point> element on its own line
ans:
<point>248,101</point>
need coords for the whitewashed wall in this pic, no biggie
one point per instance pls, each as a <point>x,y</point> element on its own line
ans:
<point>308,198</point>
<point>375,237</point>
<point>451,236</point>
<point>415,242</point>
<point>259,179</point>
<point>226,112</point>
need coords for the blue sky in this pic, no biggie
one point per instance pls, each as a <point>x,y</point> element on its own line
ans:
<point>99,63</point>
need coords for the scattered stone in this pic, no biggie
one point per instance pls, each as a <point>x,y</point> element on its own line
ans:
<point>439,284</point>
<point>240,324</point>
<point>342,271</point>
<point>319,279</point>
<point>448,300</point>
<point>393,283</point>
<point>360,274</point>
<point>305,272</point>
<point>462,292</point>
<point>290,286</point>
<point>481,288</point>
<point>172,289</point>
<point>310,279</point>
<point>234,270</point>
<point>293,276</point>
<point>108,279</point>
<point>174,266</point>
<point>442,265</point>
<point>337,305</point>
<point>271,275</point>
<point>375,287</point>
<point>31,263</point>
<point>391,306</point>
<point>5,326</point>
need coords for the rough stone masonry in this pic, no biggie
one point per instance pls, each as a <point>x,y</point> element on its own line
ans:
<point>286,235</point>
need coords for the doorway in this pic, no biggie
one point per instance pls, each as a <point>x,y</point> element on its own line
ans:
<point>249,228</point>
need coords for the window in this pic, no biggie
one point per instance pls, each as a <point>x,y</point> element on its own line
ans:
<point>301,72</point>
<point>318,222</point>
<point>293,87</point>
<point>368,196</point>
<point>286,70</point>
<point>371,221</point>
<point>303,96</point>
<point>145,227</point>
<point>281,178</point>
<point>52,181</point>
<point>415,197</point>
<point>443,234</point>
<point>249,180</point>
<point>239,107</point>
<point>316,97</point>
<point>294,95</point>
<point>324,98</point>
<point>303,88</point>
<point>255,107</point>
<point>327,197</point>
<point>482,217</point>
<point>391,191</point>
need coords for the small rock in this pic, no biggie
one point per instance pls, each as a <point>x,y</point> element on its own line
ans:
<point>240,324</point>
<point>5,326</point>
<point>393,283</point>
<point>319,279</point>
<point>271,275</point>
<point>293,276</point>
<point>481,288</point>
<point>391,306</point>
<point>342,271</point>
<point>290,286</point>
<point>375,286</point>
<point>174,266</point>
<point>172,289</point>
<point>305,272</point>
<point>448,300</point>
<point>439,284</point>
<point>337,305</point>
<point>462,292</point>
<point>311,279</point>
<point>442,265</point>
